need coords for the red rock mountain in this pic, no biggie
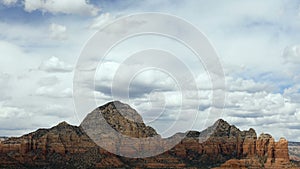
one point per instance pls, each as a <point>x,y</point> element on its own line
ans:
<point>67,146</point>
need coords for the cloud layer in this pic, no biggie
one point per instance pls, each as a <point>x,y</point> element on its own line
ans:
<point>61,6</point>
<point>258,45</point>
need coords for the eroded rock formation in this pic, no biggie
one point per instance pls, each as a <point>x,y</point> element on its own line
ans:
<point>269,155</point>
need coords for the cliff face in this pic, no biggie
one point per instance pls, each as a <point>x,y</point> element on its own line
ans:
<point>66,146</point>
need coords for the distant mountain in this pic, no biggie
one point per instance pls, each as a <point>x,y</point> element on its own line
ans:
<point>294,151</point>
<point>67,146</point>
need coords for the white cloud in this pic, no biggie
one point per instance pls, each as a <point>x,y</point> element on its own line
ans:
<point>291,61</point>
<point>21,109</point>
<point>81,7</point>
<point>266,112</point>
<point>248,85</point>
<point>101,20</point>
<point>12,112</point>
<point>16,121</point>
<point>9,53</point>
<point>56,110</point>
<point>48,81</point>
<point>52,92</point>
<point>8,2</point>
<point>4,86</point>
<point>292,93</point>
<point>58,32</point>
<point>54,65</point>
<point>292,54</point>
<point>249,42</point>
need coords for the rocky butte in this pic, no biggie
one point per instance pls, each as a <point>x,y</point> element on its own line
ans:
<point>67,146</point>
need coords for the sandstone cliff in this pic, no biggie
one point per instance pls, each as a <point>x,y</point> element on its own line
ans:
<point>67,146</point>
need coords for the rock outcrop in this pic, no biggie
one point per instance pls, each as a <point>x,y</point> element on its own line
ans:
<point>269,155</point>
<point>66,146</point>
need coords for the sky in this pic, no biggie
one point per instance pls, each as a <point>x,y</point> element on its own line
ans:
<point>257,42</point>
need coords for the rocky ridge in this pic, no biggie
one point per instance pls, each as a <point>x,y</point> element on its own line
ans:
<point>67,146</point>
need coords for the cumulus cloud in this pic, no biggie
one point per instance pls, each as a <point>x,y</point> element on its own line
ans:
<point>249,85</point>
<point>264,111</point>
<point>141,85</point>
<point>58,32</point>
<point>54,65</point>
<point>81,7</point>
<point>8,2</point>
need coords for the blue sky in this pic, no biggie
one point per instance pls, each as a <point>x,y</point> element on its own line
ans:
<point>257,43</point>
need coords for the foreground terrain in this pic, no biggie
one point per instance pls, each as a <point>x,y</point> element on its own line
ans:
<point>67,146</point>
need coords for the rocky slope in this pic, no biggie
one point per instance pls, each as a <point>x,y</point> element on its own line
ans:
<point>67,146</point>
